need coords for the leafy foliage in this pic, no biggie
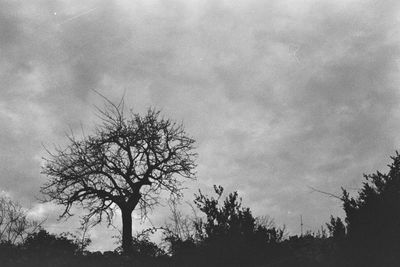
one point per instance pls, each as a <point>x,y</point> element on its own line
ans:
<point>373,218</point>
<point>228,235</point>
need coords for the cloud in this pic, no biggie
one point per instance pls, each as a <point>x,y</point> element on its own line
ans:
<point>279,95</point>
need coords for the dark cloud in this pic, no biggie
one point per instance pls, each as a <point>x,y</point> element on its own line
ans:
<point>280,95</point>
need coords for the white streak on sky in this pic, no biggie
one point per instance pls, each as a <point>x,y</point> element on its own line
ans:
<point>76,16</point>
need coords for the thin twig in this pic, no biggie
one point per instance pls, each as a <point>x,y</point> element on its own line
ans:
<point>325,193</point>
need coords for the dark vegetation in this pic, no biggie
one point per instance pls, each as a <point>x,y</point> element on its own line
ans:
<point>228,234</point>
<point>130,161</point>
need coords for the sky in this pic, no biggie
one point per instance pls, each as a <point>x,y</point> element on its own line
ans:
<point>280,95</point>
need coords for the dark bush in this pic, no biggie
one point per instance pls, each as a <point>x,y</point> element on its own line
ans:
<point>229,235</point>
<point>373,219</point>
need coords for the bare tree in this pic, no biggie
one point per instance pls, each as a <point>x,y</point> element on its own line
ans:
<point>126,163</point>
<point>14,224</point>
<point>179,225</point>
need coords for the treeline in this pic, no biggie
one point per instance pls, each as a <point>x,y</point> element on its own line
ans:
<point>228,234</point>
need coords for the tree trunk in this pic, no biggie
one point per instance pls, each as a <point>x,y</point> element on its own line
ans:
<point>126,230</point>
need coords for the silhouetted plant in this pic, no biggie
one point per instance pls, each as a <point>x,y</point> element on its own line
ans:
<point>14,224</point>
<point>336,228</point>
<point>142,246</point>
<point>373,219</point>
<point>230,234</point>
<point>180,235</point>
<point>44,243</point>
<point>126,163</point>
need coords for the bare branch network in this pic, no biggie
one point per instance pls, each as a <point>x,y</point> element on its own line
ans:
<point>127,162</point>
<point>14,224</point>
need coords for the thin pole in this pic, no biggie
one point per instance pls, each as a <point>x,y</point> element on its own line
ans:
<point>301,224</point>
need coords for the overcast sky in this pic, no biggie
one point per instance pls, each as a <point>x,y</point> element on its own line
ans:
<point>280,95</point>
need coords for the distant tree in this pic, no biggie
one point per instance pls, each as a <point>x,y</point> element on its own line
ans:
<point>14,223</point>
<point>373,218</point>
<point>127,163</point>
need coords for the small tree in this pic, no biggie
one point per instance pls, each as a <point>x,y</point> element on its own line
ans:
<point>126,163</point>
<point>14,224</point>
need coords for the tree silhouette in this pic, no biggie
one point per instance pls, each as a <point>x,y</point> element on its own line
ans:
<point>14,224</point>
<point>373,218</point>
<point>126,163</point>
